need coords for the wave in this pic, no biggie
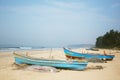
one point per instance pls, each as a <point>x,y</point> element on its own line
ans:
<point>25,48</point>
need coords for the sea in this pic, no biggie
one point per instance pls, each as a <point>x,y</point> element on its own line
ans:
<point>12,48</point>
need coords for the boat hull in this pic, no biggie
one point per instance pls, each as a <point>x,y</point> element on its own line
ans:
<point>74,55</point>
<point>75,65</point>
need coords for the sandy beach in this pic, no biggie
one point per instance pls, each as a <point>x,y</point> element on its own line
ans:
<point>8,71</point>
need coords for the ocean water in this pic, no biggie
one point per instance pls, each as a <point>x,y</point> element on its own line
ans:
<point>8,49</point>
<point>12,48</point>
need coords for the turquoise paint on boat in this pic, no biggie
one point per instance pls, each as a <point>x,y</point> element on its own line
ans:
<point>75,65</point>
<point>87,55</point>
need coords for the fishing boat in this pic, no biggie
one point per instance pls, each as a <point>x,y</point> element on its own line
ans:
<point>74,55</point>
<point>74,65</point>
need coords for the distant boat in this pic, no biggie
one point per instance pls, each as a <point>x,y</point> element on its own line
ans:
<point>93,49</point>
<point>75,65</point>
<point>73,55</point>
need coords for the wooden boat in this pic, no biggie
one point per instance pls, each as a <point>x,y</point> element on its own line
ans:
<point>75,65</point>
<point>73,55</point>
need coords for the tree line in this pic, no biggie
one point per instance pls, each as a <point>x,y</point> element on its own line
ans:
<point>109,40</point>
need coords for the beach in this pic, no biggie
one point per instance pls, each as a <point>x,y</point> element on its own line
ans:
<point>110,71</point>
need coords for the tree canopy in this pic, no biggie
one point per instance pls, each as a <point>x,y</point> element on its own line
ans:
<point>109,40</point>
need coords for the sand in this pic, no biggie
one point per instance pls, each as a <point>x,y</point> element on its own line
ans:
<point>8,71</point>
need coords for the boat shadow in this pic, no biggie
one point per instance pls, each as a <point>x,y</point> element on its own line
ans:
<point>19,66</point>
<point>35,68</point>
<point>97,67</point>
<point>24,66</point>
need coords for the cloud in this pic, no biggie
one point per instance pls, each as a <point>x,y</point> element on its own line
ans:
<point>71,11</point>
<point>59,18</point>
<point>56,7</point>
<point>70,5</point>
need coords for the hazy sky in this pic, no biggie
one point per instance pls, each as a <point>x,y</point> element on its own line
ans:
<point>56,22</point>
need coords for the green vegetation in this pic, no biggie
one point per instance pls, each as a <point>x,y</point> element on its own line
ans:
<point>110,40</point>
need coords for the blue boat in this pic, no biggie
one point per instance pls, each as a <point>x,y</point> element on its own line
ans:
<point>74,55</point>
<point>74,65</point>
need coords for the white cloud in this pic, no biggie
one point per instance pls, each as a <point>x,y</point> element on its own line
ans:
<point>64,10</point>
<point>71,19</point>
<point>55,7</point>
<point>70,5</point>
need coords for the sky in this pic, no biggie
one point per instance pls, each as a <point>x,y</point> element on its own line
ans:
<point>57,23</point>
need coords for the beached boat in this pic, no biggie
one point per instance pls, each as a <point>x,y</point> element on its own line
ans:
<point>74,55</point>
<point>75,65</point>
